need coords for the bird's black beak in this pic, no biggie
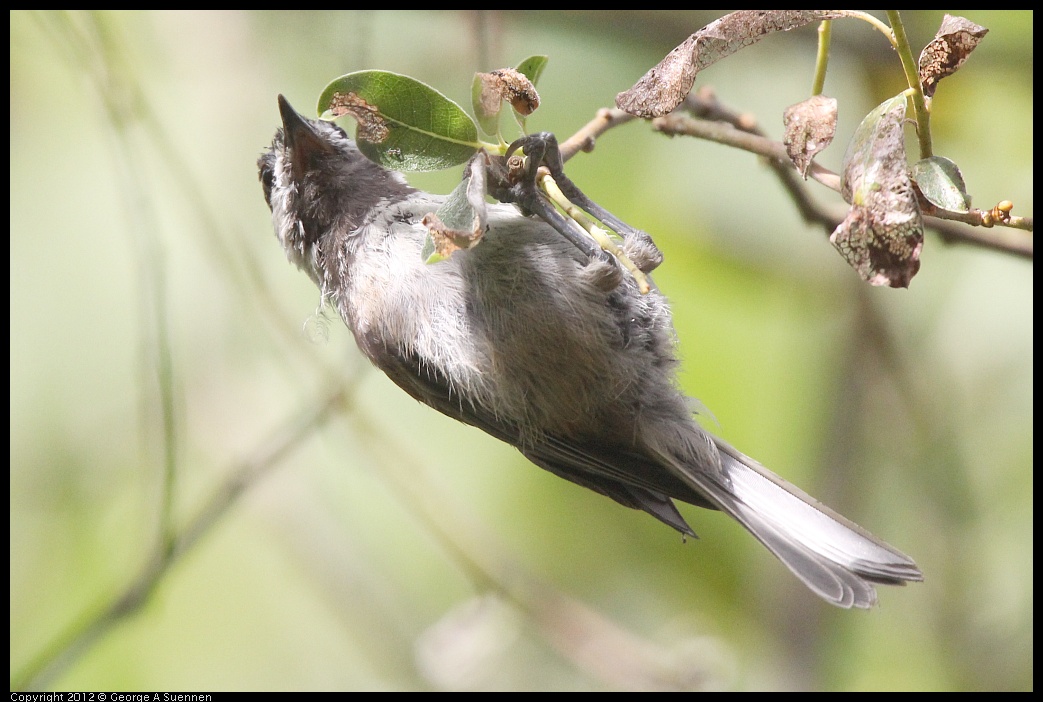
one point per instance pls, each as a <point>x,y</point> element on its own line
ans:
<point>302,140</point>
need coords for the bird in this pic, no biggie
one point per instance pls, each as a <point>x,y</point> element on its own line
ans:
<point>550,348</point>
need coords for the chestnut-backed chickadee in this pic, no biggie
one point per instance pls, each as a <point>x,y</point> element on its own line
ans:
<point>544,346</point>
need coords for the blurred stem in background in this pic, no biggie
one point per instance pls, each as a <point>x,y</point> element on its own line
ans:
<point>918,405</point>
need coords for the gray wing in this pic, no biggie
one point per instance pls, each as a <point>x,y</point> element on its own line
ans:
<point>629,478</point>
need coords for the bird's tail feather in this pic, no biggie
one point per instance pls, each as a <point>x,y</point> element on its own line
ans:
<point>836,558</point>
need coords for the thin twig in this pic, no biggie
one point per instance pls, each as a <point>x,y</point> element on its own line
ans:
<point>584,139</point>
<point>716,123</point>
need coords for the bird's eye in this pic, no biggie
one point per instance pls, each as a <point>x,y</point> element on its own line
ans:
<point>266,174</point>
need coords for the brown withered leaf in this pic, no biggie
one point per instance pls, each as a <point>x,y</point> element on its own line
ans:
<point>489,90</point>
<point>512,86</point>
<point>810,126</point>
<point>668,83</point>
<point>884,251</point>
<point>956,39</point>
<point>372,126</point>
<point>445,239</point>
<point>882,235</point>
<point>518,90</point>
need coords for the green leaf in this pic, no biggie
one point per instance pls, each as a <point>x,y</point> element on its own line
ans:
<point>403,124</point>
<point>532,67</point>
<point>941,182</point>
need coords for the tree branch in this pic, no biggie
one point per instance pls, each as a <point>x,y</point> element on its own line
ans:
<point>714,122</point>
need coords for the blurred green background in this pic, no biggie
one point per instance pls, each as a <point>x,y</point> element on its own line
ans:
<point>391,548</point>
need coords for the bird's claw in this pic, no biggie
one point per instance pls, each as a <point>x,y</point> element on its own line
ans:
<point>515,179</point>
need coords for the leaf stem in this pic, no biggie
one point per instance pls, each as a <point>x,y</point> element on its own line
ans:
<point>825,30</point>
<point>866,17</point>
<point>912,77</point>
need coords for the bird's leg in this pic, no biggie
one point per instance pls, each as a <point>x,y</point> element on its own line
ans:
<point>513,179</point>
<point>541,149</point>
